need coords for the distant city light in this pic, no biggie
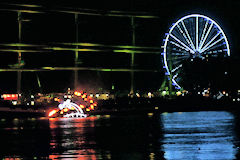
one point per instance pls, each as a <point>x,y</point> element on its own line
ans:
<point>137,94</point>
<point>178,93</point>
<point>10,97</point>
<point>97,95</point>
<point>149,94</point>
<point>164,93</point>
<point>14,102</point>
<point>150,114</point>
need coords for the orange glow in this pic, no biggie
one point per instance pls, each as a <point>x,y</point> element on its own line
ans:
<point>82,106</point>
<point>65,109</point>
<point>72,108</point>
<point>91,101</point>
<point>77,93</point>
<point>88,109</point>
<point>85,99</point>
<point>56,99</point>
<point>10,96</point>
<point>92,107</point>
<point>52,112</point>
<point>84,96</point>
<point>61,112</point>
<point>95,104</point>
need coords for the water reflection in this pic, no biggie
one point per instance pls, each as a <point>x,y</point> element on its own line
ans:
<point>170,136</point>
<point>72,138</point>
<point>24,138</point>
<point>198,135</point>
<point>104,138</point>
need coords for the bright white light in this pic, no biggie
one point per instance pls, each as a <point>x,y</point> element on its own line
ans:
<point>137,94</point>
<point>97,95</point>
<point>14,102</point>
<point>149,94</point>
<point>164,93</point>
<point>68,104</point>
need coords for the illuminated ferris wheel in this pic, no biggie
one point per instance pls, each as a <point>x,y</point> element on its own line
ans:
<point>193,36</point>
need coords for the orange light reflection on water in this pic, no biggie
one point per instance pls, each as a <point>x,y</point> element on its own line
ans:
<point>73,139</point>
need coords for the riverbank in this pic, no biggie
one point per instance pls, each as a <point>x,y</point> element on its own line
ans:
<point>131,106</point>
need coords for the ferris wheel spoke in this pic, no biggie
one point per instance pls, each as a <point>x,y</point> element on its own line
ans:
<point>175,76</point>
<point>179,54</point>
<point>203,33</point>
<point>176,62</point>
<point>184,35</point>
<point>177,68</point>
<point>188,35</point>
<point>206,48</point>
<point>184,45</point>
<point>178,46</point>
<point>205,37</point>
<point>175,83</point>
<point>211,40</point>
<point>214,48</point>
<point>197,33</point>
<point>178,58</point>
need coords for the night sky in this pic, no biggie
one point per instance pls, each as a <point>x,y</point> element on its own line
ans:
<point>52,29</point>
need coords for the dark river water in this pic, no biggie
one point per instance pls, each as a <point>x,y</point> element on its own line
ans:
<point>171,136</point>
